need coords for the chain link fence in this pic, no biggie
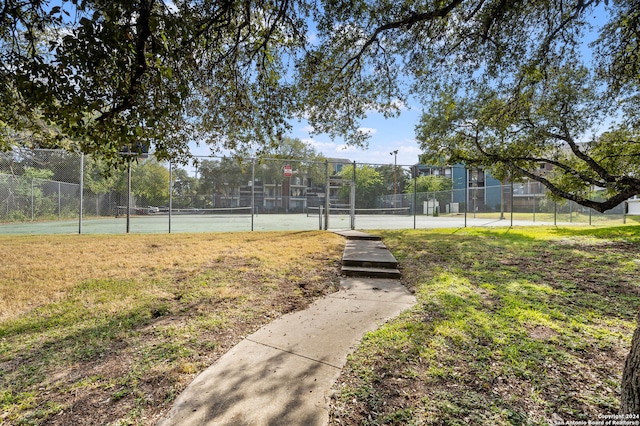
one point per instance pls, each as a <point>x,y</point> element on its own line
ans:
<point>39,185</point>
<point>49,191</point>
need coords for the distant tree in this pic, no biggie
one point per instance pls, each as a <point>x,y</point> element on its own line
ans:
<point>430,187</point>
<point>220,180</point>
<point>65,165</point>
<point>31,174</point>
<point>428,183</point>
<point>393,175</point>
<point>29,188</point>
<point>370,186</point>
<point>150,182</point>
<point>185,188</point>
<point>98,178</point>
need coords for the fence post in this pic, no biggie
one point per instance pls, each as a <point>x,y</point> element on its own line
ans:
<point>502,200</point>
<point>32,201</point>
<point>511,202</point>
<point>466,195</point>
<point>326,198</point>
<point>59,202</point>
<point>570,211</point>
<point>128,193</point>
<point>170,192</point>
<point>415,195</point>
<point>253,189</point>
<point>352,196</point>
<point>81,193</point>
<point>534,208</point>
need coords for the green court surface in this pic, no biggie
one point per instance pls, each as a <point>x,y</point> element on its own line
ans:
<point>265,222</point>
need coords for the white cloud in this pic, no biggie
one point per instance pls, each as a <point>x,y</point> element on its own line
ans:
<point>400,105</point>
<point>377,153</point>
<point>320,146</point>
<point>312,38</point>
<point>368,130</point>
<point>347,148</point>
<point>171,6</point>
<point>395,104</point>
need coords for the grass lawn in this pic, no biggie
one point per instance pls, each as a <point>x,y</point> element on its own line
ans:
<point>551,218</point>
<point>520,326</point>
<point>98,330</point>
<point>527,326</point>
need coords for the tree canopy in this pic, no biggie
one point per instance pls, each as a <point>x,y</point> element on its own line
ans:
<point>428,183</point>
<point>100,75</point>
<point>114,73</point>
<point>543,122</point>
<point>369,185</point>
<point>504,85</point>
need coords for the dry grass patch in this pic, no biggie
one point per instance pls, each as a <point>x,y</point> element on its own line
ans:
<point>37,270</point>
<point>109,329</point>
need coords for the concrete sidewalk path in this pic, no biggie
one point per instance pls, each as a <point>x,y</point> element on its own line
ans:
<point>283,373</point>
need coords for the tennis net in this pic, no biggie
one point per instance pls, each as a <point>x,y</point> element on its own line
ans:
<point>153,211</point>
<point>397,211</point>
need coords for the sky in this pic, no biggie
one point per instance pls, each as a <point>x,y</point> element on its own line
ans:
<point>386,136</point>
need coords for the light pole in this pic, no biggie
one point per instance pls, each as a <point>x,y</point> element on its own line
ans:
<point>395,166</point>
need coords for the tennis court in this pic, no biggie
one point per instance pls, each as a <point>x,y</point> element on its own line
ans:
<point>184,223</point>
<point>220,194</point>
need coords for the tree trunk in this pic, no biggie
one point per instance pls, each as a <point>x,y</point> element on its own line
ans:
<point>630,398</point>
